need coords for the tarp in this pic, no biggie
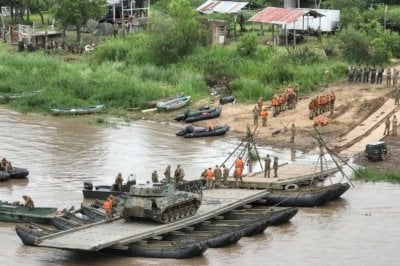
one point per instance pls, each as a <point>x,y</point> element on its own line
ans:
<point>227,7</point>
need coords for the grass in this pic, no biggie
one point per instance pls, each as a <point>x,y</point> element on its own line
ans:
<point>378,175</point>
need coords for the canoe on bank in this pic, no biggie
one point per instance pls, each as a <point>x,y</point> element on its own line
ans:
<point>173,104</point>
<point>191,132</point>
<point>305,197</point>
<point>227,99</point>
<point>18,213</point>
<point>78,110</point>
<point>16,172</point>
<point>200,115</point>
<point>153,104</point>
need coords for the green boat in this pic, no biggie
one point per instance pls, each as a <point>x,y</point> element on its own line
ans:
<point>18,213</point>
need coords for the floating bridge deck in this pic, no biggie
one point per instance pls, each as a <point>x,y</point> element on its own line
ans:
<point>119,233</point>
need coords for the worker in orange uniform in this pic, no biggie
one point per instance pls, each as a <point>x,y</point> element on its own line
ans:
<point>238,174</point>
<point>264,117</point>
<point>210,177</point>
<point>108,208</point>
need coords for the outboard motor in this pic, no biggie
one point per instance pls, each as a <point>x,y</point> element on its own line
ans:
<point>88,185</point>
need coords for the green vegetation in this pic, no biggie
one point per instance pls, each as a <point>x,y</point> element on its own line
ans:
<point>378,175</point>
<point>174,55</point>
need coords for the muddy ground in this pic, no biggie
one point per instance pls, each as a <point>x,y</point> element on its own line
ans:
<point>354,103</point>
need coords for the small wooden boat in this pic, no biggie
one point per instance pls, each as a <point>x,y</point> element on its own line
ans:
<point>94,211</point>
<point>153,104</point>
<point>78,110</point>
<point>18,213</point>
<point>200,115</point>
<point>173,104</point>
<point>227,99</point>
<point>70,220</point>
<point>305,197</point>
<point>191,132</point>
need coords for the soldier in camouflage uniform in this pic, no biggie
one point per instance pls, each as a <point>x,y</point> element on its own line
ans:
<point>350,74</point>
<point>388,77</point>
<point>366,74</point>
<point>380,75</point>
<point>373,74</point>
<point>225,174</point>
<point>358,74</point>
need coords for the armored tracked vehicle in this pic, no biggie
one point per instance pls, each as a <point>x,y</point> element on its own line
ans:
<point>159,202</point>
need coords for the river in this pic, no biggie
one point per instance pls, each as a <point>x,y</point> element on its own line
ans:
<point>61,153</point>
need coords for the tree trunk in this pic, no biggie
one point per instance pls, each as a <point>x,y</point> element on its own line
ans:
<point>63,34</point>
<point>41,17</point>
<point>78,33</point>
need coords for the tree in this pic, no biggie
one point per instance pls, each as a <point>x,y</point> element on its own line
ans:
<point>76,12</point>
<point>38,6</point>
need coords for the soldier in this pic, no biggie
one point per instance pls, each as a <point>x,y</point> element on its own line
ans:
<point>225,174</point>
<point>373,74</point>
<point>275,166</point>
<point>154,177</point>
<point>217,175</point>
<point>108,209</point>
<point>311,109</point>
<point>118,182</point>
<point>397,96</point>
<point>179,174</point>
<point>395,76</point>
<point>350,71</point>
<point>28,202</point>
<point>267,167</point>
<point>260,103</point>
<point>210,177</point>
<point>380,74</point>
<point>264,117</point>
<point>167,174</point>
<point>387,126</point>
<point>394,126</point>
<point>292,133</point>
<point>255,116</point>
<point>358,74</point>
<point>388,77</point>
<point>366,74</point>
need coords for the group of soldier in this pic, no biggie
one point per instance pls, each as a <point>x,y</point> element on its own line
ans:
<point>321,104</point>
<point>393,122</point>
<point>213,176</point>
<point>287,100</point>
<point>267,166</point>
<point>369,74</point>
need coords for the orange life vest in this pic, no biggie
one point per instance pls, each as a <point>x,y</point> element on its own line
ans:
<point>209,174</point>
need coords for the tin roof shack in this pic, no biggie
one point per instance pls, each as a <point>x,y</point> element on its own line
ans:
<point>309,23</point>
<point>228,7</point>
<point>283,17</point>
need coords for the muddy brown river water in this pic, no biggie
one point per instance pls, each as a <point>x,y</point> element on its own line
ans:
<point>62,153</point>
